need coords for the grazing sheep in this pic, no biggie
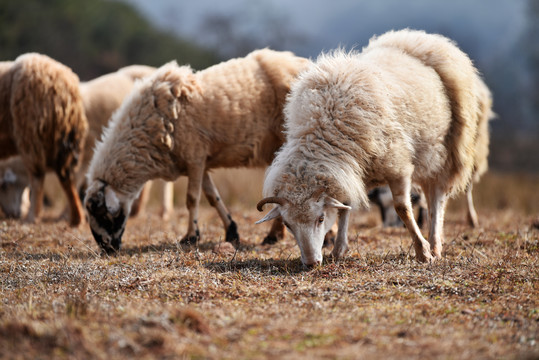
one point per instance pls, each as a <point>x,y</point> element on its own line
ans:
<point>101,97</point>
<point>182,123</point>
<point>42,119</point>
<point>401,111</point>
<point>381,196</point>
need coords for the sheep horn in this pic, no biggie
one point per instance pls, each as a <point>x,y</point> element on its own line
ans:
<point>270,200</point>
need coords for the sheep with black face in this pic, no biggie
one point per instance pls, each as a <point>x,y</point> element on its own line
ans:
<point>179,122</point>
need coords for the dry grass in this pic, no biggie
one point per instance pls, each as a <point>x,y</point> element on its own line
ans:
<point>61,299</point>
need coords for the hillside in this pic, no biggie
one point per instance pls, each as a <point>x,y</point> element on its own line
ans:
<point>92,37</point>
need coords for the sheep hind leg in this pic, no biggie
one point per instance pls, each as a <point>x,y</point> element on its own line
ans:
<point>400,189</point>
<point>73,200</point>
<point>195,175</point>
<point>212,194</point>
<point>472,214</point>
<point>36,197</point>
<point>436,200</point>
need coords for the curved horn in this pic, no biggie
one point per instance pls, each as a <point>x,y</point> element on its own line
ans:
<point>270,200</point>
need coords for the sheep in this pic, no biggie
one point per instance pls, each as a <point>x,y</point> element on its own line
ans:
<point>401,111</point>
<point>382,195</point>
<point>101,97</point>
<point>42,119</point>
<point>179,122</point>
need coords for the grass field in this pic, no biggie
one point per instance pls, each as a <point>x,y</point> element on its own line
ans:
<point>61,299</point>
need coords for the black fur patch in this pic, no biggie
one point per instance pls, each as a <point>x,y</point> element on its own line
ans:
<point>270,240</point>
<point>111,224</point>
<point>232,235</point>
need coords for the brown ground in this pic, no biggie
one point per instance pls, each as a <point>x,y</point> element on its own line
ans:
<point>61,299</point>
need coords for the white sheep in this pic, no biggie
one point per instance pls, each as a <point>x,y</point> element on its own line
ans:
<point>401,111</point>
<point>177,122</point>
<point>42,119</point>
<point>101,97</point>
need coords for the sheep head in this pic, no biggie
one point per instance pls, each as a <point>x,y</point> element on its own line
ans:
<point>107,214</point>
<point>309,220</point>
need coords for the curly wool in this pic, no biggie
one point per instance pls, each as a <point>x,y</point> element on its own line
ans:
<point>356,120</point>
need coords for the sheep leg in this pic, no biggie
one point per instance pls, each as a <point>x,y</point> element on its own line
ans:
<point>75,206</point>
<point>140,203</point>
<point>36,197</point>
<point>472,214</point>
<point>436,200</point>
<point>341,241</point>
<point>400,189</point>
<point>195,173</point>
<point>215,200</point>
<point>167,199</point>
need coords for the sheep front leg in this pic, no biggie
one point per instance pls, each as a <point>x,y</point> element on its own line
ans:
<point>140,203</point>
<point>215,200</point>
<point>341,241</point>
<point>195,174</point>
<point>400,189</point>
<point>167,199</point>
<point>36,197</point>
<point>472,214</point>
<point>436,206</point>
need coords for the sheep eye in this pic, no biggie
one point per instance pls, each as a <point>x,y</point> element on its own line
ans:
<point>321,219</point>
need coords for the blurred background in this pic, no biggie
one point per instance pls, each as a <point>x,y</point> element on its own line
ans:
<point>95,37</point>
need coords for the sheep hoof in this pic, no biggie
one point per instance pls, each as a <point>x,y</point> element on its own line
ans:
<point>270,240</point>
<point>232,235</point>
<point>425,257</point>
<point>190,240</point>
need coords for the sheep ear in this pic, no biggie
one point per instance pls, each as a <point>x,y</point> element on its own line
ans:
<point>274,213</point>
<point>334,203</point>
<point>111,200</point>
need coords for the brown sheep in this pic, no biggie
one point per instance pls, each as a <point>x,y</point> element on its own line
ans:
<point>101,97</point>
<point>177,122</point>
<point>42,119</point>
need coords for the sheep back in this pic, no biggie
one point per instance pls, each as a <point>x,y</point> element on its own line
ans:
<point>49,124</point>
<point>458,76</point>
<point>240,108</point>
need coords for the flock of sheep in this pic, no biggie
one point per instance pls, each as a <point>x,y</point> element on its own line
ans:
<point>408,111</point>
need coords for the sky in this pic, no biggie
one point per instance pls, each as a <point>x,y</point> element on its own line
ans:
<point>486,27</point>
